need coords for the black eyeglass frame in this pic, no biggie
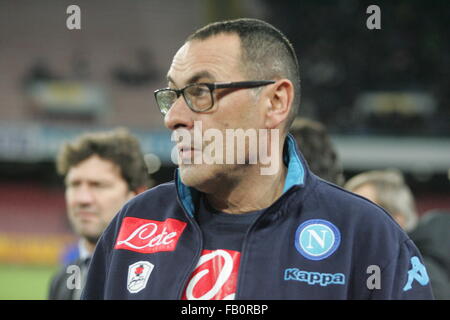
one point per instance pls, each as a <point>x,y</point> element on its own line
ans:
<point>211,87</point>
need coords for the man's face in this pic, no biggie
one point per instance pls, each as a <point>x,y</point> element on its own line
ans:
<point>368,191</point>
<point>95,191</point>
<point>215,59</point>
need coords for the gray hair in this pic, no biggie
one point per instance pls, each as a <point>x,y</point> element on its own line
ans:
<point>392,193</point>
<point>266,52</point>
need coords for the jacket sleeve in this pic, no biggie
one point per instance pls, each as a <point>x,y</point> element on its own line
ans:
<point>57,282</point>
<point>405,277</point>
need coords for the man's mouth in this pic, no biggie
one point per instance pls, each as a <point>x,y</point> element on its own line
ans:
<point>187,152</point>
<point>84,215</point>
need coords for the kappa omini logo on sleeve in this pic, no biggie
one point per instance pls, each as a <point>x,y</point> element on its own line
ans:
<point>149,236</point>
<point>418,272</point>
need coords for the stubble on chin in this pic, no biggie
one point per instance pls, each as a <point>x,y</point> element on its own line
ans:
<point>199,177</point>
<point>209,178</point>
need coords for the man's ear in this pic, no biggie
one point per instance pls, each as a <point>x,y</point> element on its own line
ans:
<point>281,96</point>
<point>138,190</point>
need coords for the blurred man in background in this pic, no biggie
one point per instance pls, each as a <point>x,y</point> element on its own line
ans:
<point>101,172</point>
<point>316,146</point>
<point>388,189</point>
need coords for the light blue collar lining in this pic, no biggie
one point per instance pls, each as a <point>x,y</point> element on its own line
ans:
<point>185,194</point>
<point>295,176</point>
<point>296,171</point>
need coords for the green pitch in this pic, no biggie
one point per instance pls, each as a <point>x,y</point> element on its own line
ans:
<point>21,282</point>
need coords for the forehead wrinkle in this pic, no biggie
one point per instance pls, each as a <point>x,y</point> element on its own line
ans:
<point>206,58</point>
<point>195,78</point>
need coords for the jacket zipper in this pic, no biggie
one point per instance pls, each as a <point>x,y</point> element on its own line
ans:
<point>244,245</point>
<point>247,236</point>
<point>197,255</point>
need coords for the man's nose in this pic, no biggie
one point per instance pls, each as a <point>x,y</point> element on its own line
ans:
<point>179,115</point>
<point>84,195</point>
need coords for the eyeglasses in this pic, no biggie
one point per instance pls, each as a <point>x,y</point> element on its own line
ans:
<point>199,96</point>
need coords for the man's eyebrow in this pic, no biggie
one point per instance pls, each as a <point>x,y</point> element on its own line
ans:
<point>197,76</point>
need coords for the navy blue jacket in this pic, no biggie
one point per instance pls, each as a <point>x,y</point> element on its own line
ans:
<point>317,241</point>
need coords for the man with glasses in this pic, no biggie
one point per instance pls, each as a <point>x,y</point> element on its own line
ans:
<point>224,230</point>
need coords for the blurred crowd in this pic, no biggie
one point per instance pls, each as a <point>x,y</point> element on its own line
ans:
<point>340,59</point>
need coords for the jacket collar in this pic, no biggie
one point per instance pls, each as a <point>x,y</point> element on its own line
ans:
<point>296,166</point>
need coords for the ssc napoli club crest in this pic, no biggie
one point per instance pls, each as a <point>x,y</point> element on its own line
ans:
<point>317,239</point>
<point>215,276</point>
<point>138,275</point>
